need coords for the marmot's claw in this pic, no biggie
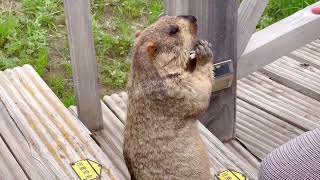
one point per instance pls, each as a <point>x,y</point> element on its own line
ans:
<point>203,50</point>
<point>204,43</point>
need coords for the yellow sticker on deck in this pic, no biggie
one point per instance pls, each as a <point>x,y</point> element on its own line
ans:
<point>231,175</point>
<point>87,169</point>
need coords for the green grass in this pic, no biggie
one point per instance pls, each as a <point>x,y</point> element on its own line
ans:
<point>30,34</point>
<point>62,89</point>
<point>279,9</point>
<point>115,22</point>
<point>35,33</point>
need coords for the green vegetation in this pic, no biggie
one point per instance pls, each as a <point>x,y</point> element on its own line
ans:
<point>279,9</point>
<point>115,23</point>
<point>34,32</point>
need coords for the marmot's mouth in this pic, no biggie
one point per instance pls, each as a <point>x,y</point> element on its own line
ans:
<point>192,54</point>
<point>192,62</point>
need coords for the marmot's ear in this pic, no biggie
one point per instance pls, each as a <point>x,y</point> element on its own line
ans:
<point>152,49</point>
<point>137,34</point>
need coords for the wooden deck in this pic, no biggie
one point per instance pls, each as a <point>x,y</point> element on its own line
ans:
<point>42,135</point>
<point>40,138</point>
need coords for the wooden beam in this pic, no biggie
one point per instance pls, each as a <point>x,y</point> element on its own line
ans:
<point>177,7</point>
<point>249,14</point>
<point>220,29</point>
<point>84,64</point>
<point>187,7</point>
<point>279,39</point>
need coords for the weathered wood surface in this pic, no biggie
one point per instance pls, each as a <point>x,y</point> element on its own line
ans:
<point>278,40</point>
<point>301,77</point>
<point>221,26</point>
<point>177,7</point>
<point>260,131</point>
<point>221,157</point>
<point>41,133</point>
<point>111,139</point>
<point>245,155</point>
<point>280,101</point>
<point>116,104</point>
<point>249,14</point>
<point>9,167</point>
<point>309,55</point>
<point>83,59</point>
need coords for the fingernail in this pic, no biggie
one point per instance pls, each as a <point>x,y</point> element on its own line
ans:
<point>316,10</point>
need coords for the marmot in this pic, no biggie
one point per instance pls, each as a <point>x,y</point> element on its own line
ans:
<point>167,91</point>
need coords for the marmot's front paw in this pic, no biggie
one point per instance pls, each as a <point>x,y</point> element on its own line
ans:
<point>203,51</point>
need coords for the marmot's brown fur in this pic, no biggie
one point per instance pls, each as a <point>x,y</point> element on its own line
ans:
<point>167,92</point>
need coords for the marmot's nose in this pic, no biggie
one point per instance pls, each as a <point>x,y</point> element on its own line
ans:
<point>192,19</point>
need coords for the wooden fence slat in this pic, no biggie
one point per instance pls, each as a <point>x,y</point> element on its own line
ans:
<point>278,40</point>
<point>249,14</point>
<point>9,167</point>
<point>83,58</point>
<point>177,7</point>
<point>222,33</point>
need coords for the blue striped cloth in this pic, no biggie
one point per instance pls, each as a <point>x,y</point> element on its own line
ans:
<point>299,159</point>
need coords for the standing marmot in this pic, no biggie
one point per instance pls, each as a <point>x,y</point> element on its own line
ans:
<point>167,92</point>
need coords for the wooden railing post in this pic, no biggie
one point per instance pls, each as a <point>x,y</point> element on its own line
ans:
<point>83,59</point>
<point>249,15</point>
<point>222,33</point>
<point>177,7</point>
<point>217,21</point>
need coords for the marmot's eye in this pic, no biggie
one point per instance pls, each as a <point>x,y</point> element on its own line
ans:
<point>173,30</point>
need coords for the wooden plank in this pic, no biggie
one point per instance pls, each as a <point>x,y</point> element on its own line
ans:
<point>110,139</point>
<point>199,9</point>
<point>9,167</point>
<point>279,39</point>
<point>221,30</point>
<point>19,145</point>
<point>220,153</point>
<point>177,7</point>
<point>245,156</point>
<point>263,120</point>
<point>261,135</point>
<point>252,144</point>
<point>260,131</point>
<point>295,75</point>
<point>84,63</point>
<point>250,12</point>
<point>313,48</point>
<point>42,133</point>
<point>280,101</point>
<point>116,104</point>
<point>307,56</point>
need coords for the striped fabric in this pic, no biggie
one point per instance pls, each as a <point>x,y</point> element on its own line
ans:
<point>299,159</point>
